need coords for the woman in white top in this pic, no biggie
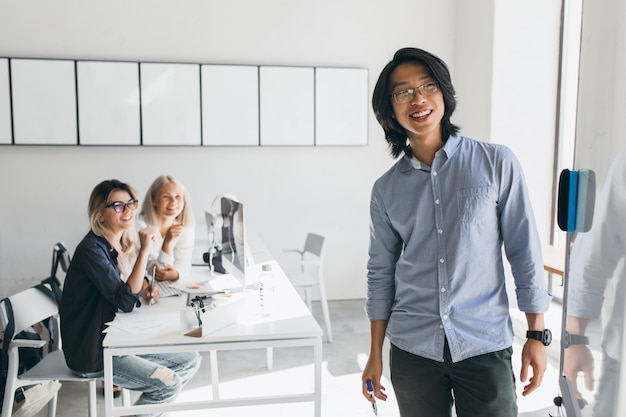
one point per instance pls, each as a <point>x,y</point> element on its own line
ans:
<point>167,210</point>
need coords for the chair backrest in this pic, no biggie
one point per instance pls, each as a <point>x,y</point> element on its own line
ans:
<point>314,244</point>
<point>60,257</point>
<point>30,307</point>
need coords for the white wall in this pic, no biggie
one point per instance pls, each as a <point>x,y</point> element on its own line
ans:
<point>287,191</point>
<point>472,72</point>
<point>524,96</point>
<point>507,73</point>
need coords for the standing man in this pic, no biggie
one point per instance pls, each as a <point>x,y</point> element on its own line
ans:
<point>436,284</point>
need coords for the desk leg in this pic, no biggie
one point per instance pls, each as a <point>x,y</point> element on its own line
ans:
<point>93,404</point>
<point>317,356</point>
<point>108,384</point>
<point>269,357</point>
<point>215,383</point>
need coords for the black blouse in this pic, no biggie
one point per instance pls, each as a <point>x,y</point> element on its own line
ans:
<point>92,293</point>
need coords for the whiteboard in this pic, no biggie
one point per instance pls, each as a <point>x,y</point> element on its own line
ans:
<point>108,103</point>
<point>230,105</point>
<point>287,106</point>
<point>341,106</point>
<point>5,103</point>
<point>44,101</point>
<point>170,104</point>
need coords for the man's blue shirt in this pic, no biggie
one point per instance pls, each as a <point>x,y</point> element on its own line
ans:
<point>435,267</point>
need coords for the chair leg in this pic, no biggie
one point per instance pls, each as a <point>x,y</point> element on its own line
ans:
<point>322,287</point>
<point>329,330</point>
<point>93,410</point>
<point>125,397</point>
<point>52,405</point>
<point>8,402</point>
<point>307,297</point>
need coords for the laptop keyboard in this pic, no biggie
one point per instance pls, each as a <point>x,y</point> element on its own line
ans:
<point>168,290</point>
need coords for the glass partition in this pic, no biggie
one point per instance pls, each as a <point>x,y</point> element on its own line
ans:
<point>595,292</point>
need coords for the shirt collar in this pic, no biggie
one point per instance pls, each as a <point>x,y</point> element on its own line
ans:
<point>416,163</point>
<point>452,145</point>
<point>449,148</point>
<point>105,243</point>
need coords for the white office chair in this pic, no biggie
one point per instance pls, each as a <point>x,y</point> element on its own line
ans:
<point>311,274</point>
<point>30,307</point>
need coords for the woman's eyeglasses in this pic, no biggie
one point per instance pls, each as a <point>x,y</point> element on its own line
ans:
<point>120,207</point>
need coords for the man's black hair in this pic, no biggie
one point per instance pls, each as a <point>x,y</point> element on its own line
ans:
<point>381,99</point>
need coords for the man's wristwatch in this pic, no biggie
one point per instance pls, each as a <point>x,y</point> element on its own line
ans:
<point>574,339</point>
<point>544,336</point>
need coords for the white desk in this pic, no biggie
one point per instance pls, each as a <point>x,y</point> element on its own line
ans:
<point>290,326</point>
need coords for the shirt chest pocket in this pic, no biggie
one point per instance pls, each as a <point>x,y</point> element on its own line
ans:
<point>476,205</point>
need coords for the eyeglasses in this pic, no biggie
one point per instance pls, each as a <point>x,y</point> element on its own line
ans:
<point>120,207</point>
<point>424,90</point>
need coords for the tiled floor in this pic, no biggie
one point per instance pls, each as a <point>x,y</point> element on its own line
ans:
<point>343,361</point>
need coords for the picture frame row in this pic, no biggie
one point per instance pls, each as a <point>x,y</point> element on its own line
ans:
<point>121,103</point>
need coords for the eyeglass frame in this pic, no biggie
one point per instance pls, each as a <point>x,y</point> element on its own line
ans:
<point>419,90</point>
<point>120,206</point>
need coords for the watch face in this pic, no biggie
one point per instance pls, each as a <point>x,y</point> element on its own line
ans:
<point>547,337</point>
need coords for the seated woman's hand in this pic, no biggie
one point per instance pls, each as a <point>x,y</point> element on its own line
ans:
<point>147,237</point>
<point>151,293</point>
<point>167,273</point>
<point>174,232</point>
<point>171,237</point>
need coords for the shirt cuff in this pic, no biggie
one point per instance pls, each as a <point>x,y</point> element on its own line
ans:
<point>164,258</point>
<point>533,300</point>
<point>378,309</point>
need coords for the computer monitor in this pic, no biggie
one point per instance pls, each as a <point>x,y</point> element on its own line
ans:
<point>227,227</point>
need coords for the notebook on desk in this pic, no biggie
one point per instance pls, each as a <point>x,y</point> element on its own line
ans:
<point>225,282</point>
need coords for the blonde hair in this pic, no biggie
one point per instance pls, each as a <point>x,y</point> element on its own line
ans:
<point>185,217</point>
<point>98,201</point>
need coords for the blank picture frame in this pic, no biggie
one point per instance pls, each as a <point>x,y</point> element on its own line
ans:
<point>341,106</point>
<point>287,97</point>
<point>230,105</point>
<point>44,101</point>
<point>129,103</point>
<point>6,135</point>
<point>108,103</point>
<point>170,104</point>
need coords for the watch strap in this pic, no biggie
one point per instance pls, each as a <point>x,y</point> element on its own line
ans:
<point>574,339</point>
<point>544,336</point>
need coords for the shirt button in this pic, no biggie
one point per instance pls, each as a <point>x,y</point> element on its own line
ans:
<point>435,173</point>
<point>445,317</point>
<point>443,290</point>
<point>440,231</point>
<point>437,201</point>
<point>441,326</point>
<point>441,260</point>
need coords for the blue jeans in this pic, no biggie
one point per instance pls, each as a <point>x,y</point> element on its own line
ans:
<point>159,377</point>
